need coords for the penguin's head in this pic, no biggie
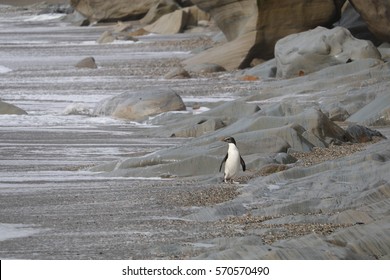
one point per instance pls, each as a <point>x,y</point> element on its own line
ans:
<point>229,139</point>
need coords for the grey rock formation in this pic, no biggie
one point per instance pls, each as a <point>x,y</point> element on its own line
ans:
<point>349,193</point>
<point>295,117</point>
<point>362,134</point>
<point>310,51</point>
<point>376,113</point>
<point>138,106</point>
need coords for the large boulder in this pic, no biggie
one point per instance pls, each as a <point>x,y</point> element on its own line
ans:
<point>171,23</point>
<point>9,109</point>
<point>376,13</point>
<point>253,27</point>
<point>138,106</point>
<point>313,50</point>
<point>165,22</point>
<point>100,10</point>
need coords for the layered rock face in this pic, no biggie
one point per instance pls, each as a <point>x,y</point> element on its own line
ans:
<point>253,27</point>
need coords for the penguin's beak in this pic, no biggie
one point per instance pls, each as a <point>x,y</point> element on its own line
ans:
<point>223,139</point>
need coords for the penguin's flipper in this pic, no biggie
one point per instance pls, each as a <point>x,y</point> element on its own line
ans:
<point>242,164</point>
<point>224,159</point>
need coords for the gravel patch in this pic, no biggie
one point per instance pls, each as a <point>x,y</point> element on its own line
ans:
<point>318,155</point>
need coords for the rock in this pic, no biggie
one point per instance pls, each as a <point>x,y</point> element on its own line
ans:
<point>158,10</point>
<point>201,128</point>
<point>169,125</point>
<point>101,10</point>
<point>263,70</point>
<point>177,73</point>
<point>338,114</point>
<point>376,15</point>
<point>88,62</point>
<point>384,49</point>
<point>352,20</point>
<point>375,113</point>
<point>172,23</point>
<point>139,32</point>
<point>230,55</point>
<point>272,168</point>
<point>319,125</point>
<point>310,51</point>
<point>253,27</point>
<point>284,158</point>
<point>9,109</point>
<point>140,105</point>
<point>353,217</point>
<point>362,134</point>
<point>77,19</point>
<point>205,68</point>
<point>197,17</point>
<point>106,37</point>
<point>234,111</point>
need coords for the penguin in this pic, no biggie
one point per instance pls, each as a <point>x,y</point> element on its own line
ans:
<point>232,160</point>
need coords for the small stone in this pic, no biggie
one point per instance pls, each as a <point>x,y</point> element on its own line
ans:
<point>88,62</point>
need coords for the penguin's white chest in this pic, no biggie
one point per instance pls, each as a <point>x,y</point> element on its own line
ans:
<point>232,164</point>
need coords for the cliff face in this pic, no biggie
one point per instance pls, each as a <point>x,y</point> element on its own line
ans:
<point>252,27</point>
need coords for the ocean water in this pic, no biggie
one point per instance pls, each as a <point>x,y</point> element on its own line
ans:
<point>49,147</point>
<point>59,140</point>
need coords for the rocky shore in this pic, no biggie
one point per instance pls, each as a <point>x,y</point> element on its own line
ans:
<point>147,186</point>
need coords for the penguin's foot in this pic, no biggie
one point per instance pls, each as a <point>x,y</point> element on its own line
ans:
<point>230,181</point>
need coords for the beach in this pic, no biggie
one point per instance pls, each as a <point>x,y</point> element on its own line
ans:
<point>65,191</point>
